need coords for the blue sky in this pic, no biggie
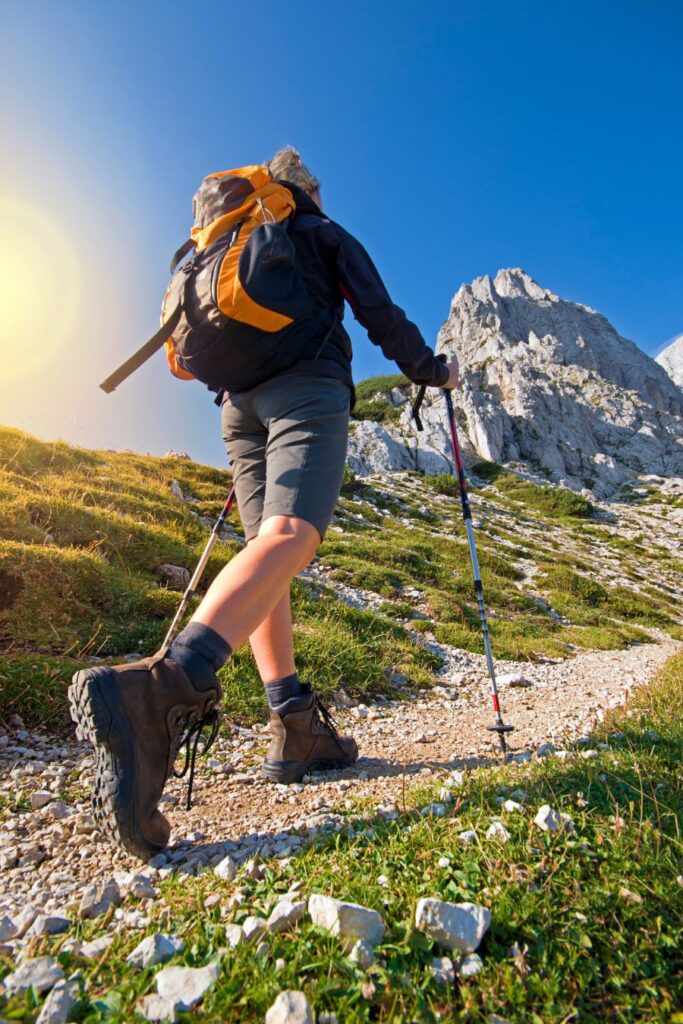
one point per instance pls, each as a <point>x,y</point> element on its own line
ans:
<point>452,138</point>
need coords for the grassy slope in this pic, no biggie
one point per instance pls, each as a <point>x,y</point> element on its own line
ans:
<point>81,533</point>
<point>595,914</point>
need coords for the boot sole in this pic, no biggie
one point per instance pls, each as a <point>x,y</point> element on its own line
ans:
<point>95,704</point>
<point>286,772</point>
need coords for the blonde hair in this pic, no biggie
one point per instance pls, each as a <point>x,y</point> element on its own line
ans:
<point>287,165</point>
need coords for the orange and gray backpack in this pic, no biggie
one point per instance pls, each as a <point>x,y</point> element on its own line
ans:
<point>237,311</point>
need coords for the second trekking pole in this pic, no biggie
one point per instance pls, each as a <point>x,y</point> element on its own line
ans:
<point>201,565</point>
<point>498,725</point>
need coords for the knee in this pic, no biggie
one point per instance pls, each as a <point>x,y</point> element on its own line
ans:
<point>301,536</point>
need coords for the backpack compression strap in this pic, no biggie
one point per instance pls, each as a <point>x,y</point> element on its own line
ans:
<point>144,353</point>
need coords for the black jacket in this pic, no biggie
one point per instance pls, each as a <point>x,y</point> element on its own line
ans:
<point>335,267</point>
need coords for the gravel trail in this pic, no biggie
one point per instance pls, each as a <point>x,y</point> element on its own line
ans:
<point>50,849</point>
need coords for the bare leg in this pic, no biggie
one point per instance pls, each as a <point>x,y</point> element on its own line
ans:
<point>272,643</point>
<point>250,587</point>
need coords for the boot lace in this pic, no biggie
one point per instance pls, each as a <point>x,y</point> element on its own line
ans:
<point>190,741</point>
<point>324,716</point>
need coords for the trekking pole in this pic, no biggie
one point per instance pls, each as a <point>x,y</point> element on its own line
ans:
<point>201,565</point>
<point>498,726</point>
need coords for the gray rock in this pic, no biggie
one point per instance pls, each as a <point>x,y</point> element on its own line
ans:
<point>545,750</point>
<point>443,970</point>
<point>41,798</point>
<point>156,1007</point>
<point>46,924</point>
<point>226,869</point>
<point>286,914</point>
<point>8,929</point>
<point>498,832</point>
<point>548,819</point>
<point>551,383</point>
<point>453,926</point>
<point>290,1008</point>
<point>94,949</point>
<point>363,955</point>
<point>434,810</point>
<point>184,987</point>
<point>142,887</point>
<point>234,935</point>
<point>348,921</point>
<point>254,928</point>
<point>155,949</point>
<point>468,836</point>
<point>41,973</point>
<point>176,577</point>
<point>671,360</point>
<point>98,898</point>
<point>58,1006</point>
<point>469,965</point>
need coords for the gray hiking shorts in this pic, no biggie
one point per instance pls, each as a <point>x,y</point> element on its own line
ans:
<point>286,440</point>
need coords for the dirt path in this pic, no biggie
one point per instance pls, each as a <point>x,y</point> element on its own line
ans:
<point>49,854</point>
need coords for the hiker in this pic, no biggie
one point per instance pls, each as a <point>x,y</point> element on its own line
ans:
<point>286,440</point>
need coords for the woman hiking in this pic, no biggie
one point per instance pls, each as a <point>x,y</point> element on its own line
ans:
<point>286,439</point>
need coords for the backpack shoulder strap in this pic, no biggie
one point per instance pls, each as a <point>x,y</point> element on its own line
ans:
<point>144,353</point>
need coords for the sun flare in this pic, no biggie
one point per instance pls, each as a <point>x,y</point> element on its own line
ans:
<point>39,288</point>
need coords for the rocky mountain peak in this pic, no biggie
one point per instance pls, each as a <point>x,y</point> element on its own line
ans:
<point>548,383</point>
<point>671,360</point>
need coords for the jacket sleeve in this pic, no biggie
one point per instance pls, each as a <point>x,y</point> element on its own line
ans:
<point>386,324</point>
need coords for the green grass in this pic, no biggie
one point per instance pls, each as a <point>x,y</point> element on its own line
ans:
<point>82,532</point>
<point>369,407</point>
<point>557,502</point>
<point>585,924</point>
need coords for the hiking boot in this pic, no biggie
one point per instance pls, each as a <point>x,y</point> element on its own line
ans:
<point>137,718</point>
<point>305,740</point>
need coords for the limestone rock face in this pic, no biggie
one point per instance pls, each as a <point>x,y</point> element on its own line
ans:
<point>671,359</point>
<point>547,383</point>
<point>550,382</point>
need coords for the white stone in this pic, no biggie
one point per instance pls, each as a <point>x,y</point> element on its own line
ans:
<point>468,836</point>
<point>41,973</point>
<point>290,1008</point>
<point>254,928</point>
<point>362,954</point>
<point>41,798</point>
<point>443,970</point>
<point>186,986</point>
<point>234,935</point>
<point>57,1007</point>
<point>49,924</point>
<point>286,914</point>
<point>469,965</point>
<point>348,921</point>
<point>456,778</point>
<point>513,679</point>
<point>453,926</point>
<point>443,862</point>
<point>142,887</point>
<point>548,819</point>
<point>512,807</point>
<point>498,832</point>
<point>94,949</point>
<point>434,810</point>
<point>155,949</point>
<point>98,898</point>
<point>226,869</point>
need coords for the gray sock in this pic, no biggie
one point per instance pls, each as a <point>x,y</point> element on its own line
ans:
<point>200,651</point>
<point>282,689</point>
